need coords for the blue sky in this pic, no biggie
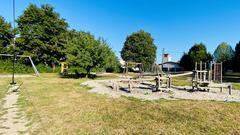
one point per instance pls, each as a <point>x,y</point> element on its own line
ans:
<point>174,24</point>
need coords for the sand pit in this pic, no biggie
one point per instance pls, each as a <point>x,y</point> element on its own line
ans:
<point>175,93</point>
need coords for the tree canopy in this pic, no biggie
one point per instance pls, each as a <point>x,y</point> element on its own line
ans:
<point>236,63</point>
<point>185,62</point>
<point>197,53</point>
<point>42,34</point>
<point>224,53</point>
<point>139,47</point>
<point>6,35</point>
<point>85,51</point>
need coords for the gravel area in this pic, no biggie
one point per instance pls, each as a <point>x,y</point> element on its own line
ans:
<point>144,92</point>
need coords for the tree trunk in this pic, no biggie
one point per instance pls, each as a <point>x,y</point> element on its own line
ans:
<point>88,72</point>
<point>53,67</point>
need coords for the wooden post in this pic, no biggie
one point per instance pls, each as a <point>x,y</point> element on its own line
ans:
<point>196,73</point>
<point>214,72</point>
<point>130,85</point>
<point>126,68</point>
<point>196,66</point>
<point>205,73</point>
<point>221,72</point>
<point>221,89</point>
<point>201,73</point>
<point>157,83</point>
<point>210,72</point>
<point>169,82</point>
<point>230,89</point>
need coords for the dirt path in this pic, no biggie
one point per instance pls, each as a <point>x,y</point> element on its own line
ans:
<point>17,76</point>
<point>13,121</point>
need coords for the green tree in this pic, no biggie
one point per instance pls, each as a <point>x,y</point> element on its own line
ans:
<point>139,47</point>
<point>224,53</point>
<point>42,34</point>
<point>184,62</point>
<point>85,51</point>
<point>6,35</point>
<point>236,63</point>
<point>197,53</point>
<point>111,62</point>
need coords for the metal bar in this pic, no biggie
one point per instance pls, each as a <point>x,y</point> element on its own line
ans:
<point>14,53</point>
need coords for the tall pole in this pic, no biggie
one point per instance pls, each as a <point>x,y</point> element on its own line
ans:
<point>14,54</point>
<point>163,51</point>
<point>162,58</point>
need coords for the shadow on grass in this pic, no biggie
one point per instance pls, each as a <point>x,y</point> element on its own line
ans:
<point>78,76</point>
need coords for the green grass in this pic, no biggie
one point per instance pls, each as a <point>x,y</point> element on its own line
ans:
<point>3,90</point>
<point>182,81</point>
<point>61,106</point>
<point>236,86</point>
<point>234,78</point>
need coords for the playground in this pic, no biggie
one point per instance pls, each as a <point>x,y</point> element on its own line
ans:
<point>68,70</point>
<point>48,102</point>
<point>206,84</point>
<point>41,103</point>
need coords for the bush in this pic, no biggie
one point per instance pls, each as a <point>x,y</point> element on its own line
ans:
<point>21,68</point>
<point>47,69</point>
<point>6,67</point>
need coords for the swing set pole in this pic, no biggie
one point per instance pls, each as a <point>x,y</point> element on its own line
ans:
<point>14,53</point>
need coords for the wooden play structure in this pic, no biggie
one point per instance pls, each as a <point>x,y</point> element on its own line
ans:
<point>129,64</point>
<point>64,68</point>
<point>204,77</point>
<point>208,75</point>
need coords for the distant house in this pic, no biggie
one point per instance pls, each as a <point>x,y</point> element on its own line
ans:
<point>171,67</point>
<point>167,57</point>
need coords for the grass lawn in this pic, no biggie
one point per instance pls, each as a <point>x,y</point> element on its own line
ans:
<point>3,90</point>
<point>61,106</point>
<point>236,86</point>
<point>182,81</point>
<point>233,77</point>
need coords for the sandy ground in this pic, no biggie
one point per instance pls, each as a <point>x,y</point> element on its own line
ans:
<point>13,121</point>
<point>145,92</point>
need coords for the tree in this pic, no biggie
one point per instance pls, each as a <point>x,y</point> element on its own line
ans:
<point>112,63</point>
<point>42,34</point>
<point>224,53</point>
<point>6,35</point>
<point>184,62</point>
<point>85,51</point>
<point>197,53</point>
<point>236,64</point>
<point>139,47</point>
